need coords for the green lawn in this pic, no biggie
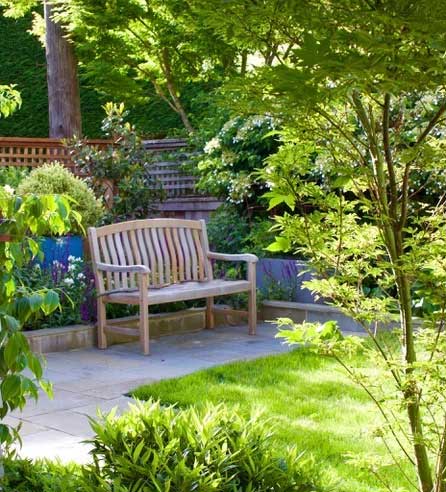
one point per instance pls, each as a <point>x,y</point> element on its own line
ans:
<point>313,404</point>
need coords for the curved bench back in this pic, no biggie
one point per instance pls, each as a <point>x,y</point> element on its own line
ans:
<point>175,250</point>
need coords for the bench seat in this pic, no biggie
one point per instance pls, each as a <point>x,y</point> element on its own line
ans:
<point>181,292</point>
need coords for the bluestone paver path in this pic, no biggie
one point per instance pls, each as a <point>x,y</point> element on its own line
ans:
<point>88,379</point>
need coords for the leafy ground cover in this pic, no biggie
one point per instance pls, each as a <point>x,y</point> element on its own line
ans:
<point>310,400</point>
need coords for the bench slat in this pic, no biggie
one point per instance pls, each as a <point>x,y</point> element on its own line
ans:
<point>106,259</point>
<point>187,255</point>
<point>114,257</point>
<point>193,254</point>
<point>199,250</point>
<point>142,248</point>
<point>172,254</point>
<point>152,260</point>
<point>129,255</point>
<point>158,254</point>
<point>180,255</point>
<point>122,258</point>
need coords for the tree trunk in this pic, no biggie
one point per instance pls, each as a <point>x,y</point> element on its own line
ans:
<point>63,85</point>
<point>167,69</point>
<point>392,230</point>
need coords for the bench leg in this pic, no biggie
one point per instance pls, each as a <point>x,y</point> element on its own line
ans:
<point>252,301</point>
<point>144,327</point>
<point>210,320</point>
<point>102,320</point>
<point>144,315</point>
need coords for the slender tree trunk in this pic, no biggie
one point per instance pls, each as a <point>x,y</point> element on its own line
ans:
<point>63,85</point>
<point>392,228</point>
<point>167,69</point>
<point>411,393</point>
<point>182,113</point>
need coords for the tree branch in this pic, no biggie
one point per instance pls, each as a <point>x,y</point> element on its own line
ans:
<point>388,157</point>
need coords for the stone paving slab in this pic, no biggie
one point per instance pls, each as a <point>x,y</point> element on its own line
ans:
<point>112,391</point>
<point>87,379</point>
<point>70,422</point>
<point>58,445</point>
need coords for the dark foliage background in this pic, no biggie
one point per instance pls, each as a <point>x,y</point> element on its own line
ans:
<point>22,62</point>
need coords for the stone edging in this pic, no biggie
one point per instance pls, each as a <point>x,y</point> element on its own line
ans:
<point>302,311</point>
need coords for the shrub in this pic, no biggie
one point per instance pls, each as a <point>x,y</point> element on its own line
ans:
<point>227,230</point>
<point>121,169</point>
<point>55,178</point>
<point>230,231</point>
<point>12,176</point>
<point>227,168</point>
<point>23,475</point>
<point>165,449</point>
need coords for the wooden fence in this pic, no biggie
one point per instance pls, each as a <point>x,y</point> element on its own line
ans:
<point>33,152</point>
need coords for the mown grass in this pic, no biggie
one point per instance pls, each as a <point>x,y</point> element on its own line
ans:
<point>312,402</point>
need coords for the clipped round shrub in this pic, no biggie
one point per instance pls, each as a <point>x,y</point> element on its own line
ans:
<point>205,449</point>
<point>56,179</point>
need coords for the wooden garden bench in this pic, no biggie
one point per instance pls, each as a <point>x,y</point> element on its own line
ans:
<point>156,261</point>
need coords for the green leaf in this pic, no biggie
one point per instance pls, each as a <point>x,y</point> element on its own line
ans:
<point>5,435</point>
<point>280,244</point>
<point>11,323</point>
<point>13,349</point>
<point>35,302</point>
<point>10,387</point>
<point>47,387</point>
<point>35,365</point>
<point>50,302</point>
<point>23,309</point>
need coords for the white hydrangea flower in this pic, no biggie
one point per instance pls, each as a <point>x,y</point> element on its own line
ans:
<point>80,276</point>
<point>212,145</point>
<point>68,281</point>
<point>9,189</point>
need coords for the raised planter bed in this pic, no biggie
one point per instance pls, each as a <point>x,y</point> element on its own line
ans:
<point>84,336</point>
<point>307,311</point>
<point>61,339</point>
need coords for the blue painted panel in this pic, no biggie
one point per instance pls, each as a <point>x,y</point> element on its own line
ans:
<point>60,248</point>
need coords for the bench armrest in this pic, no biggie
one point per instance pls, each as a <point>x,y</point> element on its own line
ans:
<point>107,267</point>
<point>226,257</point>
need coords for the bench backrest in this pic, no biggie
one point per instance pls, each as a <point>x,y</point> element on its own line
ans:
<point>175,250</point>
